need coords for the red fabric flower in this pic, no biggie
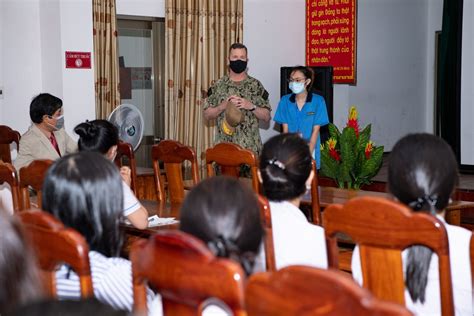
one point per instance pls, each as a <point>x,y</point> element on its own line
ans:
<point>332,149</point>
<point>353,120</point>
<point>368,149</point>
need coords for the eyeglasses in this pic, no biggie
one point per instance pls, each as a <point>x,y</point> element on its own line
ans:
<point>58,114</point>
<point>299,80</point>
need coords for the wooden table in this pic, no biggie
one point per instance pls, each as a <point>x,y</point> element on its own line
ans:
<point>331,195</point>
<point>154,208</point>
<point>327,196</point>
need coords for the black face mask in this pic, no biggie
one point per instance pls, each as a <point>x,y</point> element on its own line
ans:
<point>238,65</point>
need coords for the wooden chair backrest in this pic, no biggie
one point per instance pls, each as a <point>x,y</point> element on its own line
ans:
<point>8,175</point>
<point>54,244</point>
<point>382,229</point>
<point>472,260</point>
<point>190,276</point>
<point>315,207</point>
<point>33,176</point>
<point>230,157</point>
<point>173,154</point>
<point>7,137</point>
<point>126,150</point>
<point>266,217</point>
<point>304,291</point>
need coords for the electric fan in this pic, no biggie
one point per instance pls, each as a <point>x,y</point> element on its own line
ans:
<point>129,121</point>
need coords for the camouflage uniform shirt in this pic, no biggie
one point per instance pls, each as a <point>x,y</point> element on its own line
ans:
<point>246,133</point>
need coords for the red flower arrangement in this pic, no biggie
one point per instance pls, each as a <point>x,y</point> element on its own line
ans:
<point>350,157</point>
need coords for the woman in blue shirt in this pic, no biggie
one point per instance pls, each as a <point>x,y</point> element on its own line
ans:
<point>302,111</point>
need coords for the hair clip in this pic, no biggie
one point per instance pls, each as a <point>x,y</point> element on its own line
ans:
<point>277,163</point>
<point>429,199</point>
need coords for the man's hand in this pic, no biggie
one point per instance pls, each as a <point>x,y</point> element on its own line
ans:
<point>213,112</point>
<point>241,103</point>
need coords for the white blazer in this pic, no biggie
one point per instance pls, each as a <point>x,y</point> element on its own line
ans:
<point>35,145</point>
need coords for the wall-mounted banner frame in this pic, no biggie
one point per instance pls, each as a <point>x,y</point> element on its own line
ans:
<point>331,36</point>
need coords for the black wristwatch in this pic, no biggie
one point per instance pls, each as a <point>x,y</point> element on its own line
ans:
<point>254,108</point>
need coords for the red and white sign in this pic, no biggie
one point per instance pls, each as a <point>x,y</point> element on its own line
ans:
<point>331,37</point>
<point>79,60</point>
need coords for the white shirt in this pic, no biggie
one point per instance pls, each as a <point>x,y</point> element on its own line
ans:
<point>459,239</point>
<point>111,279</point>
<point>295,240</point>
<point>6,199</point>
<point>130,201</point>
<point>112,283</point>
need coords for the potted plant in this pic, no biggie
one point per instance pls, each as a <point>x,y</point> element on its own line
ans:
<point>350,157</point>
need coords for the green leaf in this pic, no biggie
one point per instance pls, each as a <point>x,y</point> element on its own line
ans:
<point>334,131</point>
<point>371,166</point>
<point>364,138</point>
<point>329,166</point>
<point>347,144</point>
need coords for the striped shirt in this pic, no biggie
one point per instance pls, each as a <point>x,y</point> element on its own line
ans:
<point>111,279</point>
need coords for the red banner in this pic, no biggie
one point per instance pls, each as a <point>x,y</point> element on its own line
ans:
<point>81,60</point>
<point>331,37</point>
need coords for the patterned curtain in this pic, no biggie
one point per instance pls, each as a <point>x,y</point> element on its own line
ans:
<point>106,74</point>
<point>198,36</point>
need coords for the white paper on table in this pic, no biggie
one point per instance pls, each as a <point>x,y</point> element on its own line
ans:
<point>160,221</point>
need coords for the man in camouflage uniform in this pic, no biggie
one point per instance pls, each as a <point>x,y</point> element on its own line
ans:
<point>247,94</point>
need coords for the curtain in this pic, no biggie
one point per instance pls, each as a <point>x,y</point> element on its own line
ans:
<point>449,75</point>
<point>198,36</point>
<point>106,74</point>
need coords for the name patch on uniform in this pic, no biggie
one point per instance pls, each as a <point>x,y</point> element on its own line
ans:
<point>310,113</point>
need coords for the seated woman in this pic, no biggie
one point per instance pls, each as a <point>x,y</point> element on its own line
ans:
<point>84,191</point>
<point>422,174</point>
<point>224,213</point>
<point>19,279</point>
<point>286,174</point>
<point>102,136</point>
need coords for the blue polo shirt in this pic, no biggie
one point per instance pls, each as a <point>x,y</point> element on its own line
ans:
<point>313,113</point>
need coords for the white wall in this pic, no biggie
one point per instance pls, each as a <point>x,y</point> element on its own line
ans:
<point>467,83</point>
<point>273,41</point>
<point>393,54</point>
<point>391,69</point>
<point>78,84</point>
<point>50,31</point>
<point>36,35</point>
<point>150,8</point>
<point>22,63</point>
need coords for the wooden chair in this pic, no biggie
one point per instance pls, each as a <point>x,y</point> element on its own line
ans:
<point>190,276</point>
<point>471,252</point>
<point>315,207</point>
<point>33,176</point>
<point>382,229</point>
<point>8,175</point>
<point>125,150</point>
<point>173,154</point>
<point>230,157</point>
<point>54,245</point>
<point>266,217</point>
<point>7,137</point>
<point>302,290</point>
